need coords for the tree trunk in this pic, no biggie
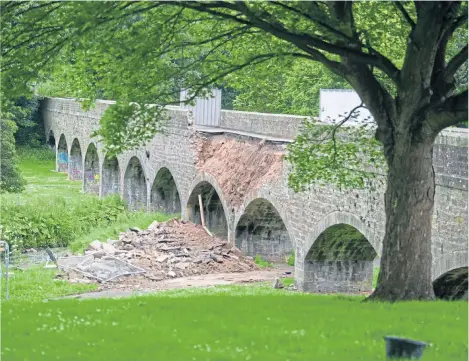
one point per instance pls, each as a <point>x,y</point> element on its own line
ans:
<point>406,262</point>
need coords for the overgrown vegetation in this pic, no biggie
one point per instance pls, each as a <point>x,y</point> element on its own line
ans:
<point>54,212</point>
<point>291,259</point>
<point>10,177</point>
<point>262,263</point>
<point>55,222</point>
<point>262,324</point>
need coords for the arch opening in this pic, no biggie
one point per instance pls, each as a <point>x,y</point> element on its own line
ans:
<point>111,176</point>
<point>164,196</point>
<point>62,155</point>
<point>91,180</point>
<point>51,141</point>
<point>452,285</point>
<point>135,186</point>
<point>75,162</point>
<point>215,219</point>
<point>261,231</point>
<point>340,260</point>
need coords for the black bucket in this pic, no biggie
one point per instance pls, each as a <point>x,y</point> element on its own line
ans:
<point>398,347</point>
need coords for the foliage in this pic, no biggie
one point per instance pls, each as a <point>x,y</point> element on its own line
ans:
<point>53,212</point>
<point>288,281</point>
<point>375,276</point>
<point>11,179</point>
<point>38,284</point>
<point>27,117</point>
<point>262,263</point>
<point>291,259</point>
<point>290,86</point>
<point>262,324</point>
<point>327,154</point>
<point>54,221</point>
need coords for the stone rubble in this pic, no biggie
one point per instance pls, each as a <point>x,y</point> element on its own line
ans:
<point>163,251</point>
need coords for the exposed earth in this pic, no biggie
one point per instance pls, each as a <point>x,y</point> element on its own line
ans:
<point>173,254</point>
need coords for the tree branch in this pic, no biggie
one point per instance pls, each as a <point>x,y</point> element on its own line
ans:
<point>404,12</point>
<point>453,111</point>
<point>455,63</point>
<point>301,40</point>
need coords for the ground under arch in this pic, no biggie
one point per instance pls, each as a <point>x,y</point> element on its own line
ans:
<point>111,176</point>
<point>62,155</point>
<point>452,285</point>
<point>261,231</point>
<point>164,196</point>
<point>215,219</point>
<point>91,179</point>
<point>340,260</point>
<point>135,185</point>
<point>75,167</point>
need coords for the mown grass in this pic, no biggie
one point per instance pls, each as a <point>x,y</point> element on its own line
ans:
<point>247,323</point>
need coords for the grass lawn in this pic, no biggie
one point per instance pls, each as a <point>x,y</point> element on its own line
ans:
<point>37,284</point>
<point>252,322</point>
<point>228,323</point>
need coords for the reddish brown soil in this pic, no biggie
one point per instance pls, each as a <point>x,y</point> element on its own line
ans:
<point>240,166</point>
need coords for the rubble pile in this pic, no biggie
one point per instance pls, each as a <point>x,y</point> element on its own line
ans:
<point>163,251</point>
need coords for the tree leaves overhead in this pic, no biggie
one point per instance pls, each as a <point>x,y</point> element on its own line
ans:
<point>141,53</point>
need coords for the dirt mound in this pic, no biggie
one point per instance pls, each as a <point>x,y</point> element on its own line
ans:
<point>163,251</point>
<point>240,166</point>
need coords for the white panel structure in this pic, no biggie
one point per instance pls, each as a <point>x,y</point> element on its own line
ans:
<point>206,110</point>
<point>337,103</point>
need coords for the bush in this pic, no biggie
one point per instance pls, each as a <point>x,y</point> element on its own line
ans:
<point>54,222</point>
<point>291,259</point>
<point>11,180</point>
<point>261,262</point>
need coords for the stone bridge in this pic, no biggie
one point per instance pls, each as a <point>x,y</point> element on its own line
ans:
<point>239,171</point>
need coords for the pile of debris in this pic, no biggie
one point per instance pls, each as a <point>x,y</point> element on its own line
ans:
<point>163,251</point>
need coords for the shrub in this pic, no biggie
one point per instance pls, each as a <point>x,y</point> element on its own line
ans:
<point>261,262</point>
<point>54,222</point>
<point>291,259</point>
<point>11,180</point>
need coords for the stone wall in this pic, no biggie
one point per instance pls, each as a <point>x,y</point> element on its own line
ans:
<point>276,125</point>
<point>302,217</point>
<point>338,276</point>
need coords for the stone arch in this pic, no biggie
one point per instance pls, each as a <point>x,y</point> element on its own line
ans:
<point>452,285</point>
<point>135,185</point>
<point>75,164</point>
<point>450,275</point>
<point>62,155</point>
<point>91,179</point>
<point>261,231</point>
<point>339,255</point>
<point>214,204</point>
<point>164,195</point>
<point>110,176</point>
